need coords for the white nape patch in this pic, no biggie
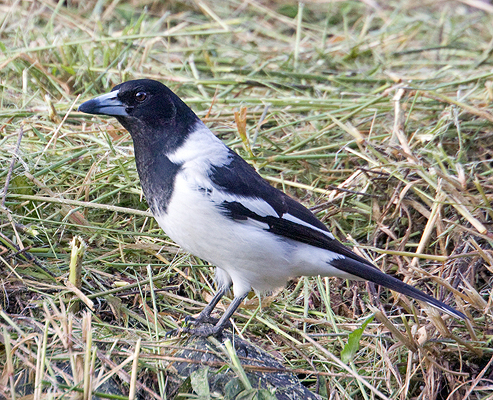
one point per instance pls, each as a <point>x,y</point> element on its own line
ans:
<point>201,147</point>
<point>292,218</point>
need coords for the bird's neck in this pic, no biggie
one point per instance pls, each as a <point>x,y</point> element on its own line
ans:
<point>156,172</point>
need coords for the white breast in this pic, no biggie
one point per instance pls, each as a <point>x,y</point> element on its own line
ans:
<point>250,256</point>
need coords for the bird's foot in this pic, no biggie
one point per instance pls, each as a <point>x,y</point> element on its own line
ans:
<point>202,330</point>
<point>202,326</point>
<point>205,319</point>
<point>205,330</point>
<point>201,319</point>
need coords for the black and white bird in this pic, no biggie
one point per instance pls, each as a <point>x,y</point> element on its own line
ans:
<point>216,206</point>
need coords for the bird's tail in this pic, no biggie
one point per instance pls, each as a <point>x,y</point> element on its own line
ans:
<point>370,273</point>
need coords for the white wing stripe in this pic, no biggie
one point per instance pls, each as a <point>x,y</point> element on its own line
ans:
<point>258,206</point>
<point>292,218</point>
<point>262,208</point>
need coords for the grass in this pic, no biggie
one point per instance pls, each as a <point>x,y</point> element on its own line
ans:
<point>376,117</point>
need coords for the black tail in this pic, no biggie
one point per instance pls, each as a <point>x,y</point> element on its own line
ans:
<point>370,273</point>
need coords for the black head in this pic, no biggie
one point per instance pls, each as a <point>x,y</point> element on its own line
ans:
<point>146,108</point>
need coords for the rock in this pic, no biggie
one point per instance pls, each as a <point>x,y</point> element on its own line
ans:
<point>203,366</point>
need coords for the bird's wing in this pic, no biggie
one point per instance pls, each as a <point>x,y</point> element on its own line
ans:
<point>250,197</point>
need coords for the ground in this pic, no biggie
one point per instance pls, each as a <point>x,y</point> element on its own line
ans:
<point>376,115</point>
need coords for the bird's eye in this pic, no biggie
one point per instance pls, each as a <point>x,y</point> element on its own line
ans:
<point>140,96</point>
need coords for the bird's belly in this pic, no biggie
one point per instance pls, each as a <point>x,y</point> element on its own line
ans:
<point>250,255</point>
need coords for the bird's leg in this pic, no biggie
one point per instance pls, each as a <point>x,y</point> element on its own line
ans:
<point>205,315</point>
<point>216,330</point>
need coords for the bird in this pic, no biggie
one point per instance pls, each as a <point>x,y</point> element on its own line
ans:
<point>216,206</point>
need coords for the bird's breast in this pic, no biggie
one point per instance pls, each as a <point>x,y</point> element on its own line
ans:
<point>195,222</point>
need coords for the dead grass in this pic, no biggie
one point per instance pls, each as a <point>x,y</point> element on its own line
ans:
<point>377,117</point>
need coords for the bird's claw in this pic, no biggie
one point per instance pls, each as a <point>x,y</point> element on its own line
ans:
<point>201,319</point>
<point>199,328</point>
<point>172,333</point>
<point>205,330</point>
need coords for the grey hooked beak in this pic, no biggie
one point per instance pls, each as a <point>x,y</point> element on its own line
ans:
<point>107,104</point>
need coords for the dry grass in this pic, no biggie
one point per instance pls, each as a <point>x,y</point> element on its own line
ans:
<point>377,117</point>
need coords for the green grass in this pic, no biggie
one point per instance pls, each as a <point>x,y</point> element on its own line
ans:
<point>322,90</point>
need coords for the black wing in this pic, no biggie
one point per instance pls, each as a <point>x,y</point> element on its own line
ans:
<point>289,219</point>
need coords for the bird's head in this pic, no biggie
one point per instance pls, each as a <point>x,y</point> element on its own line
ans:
<point>144,107</point>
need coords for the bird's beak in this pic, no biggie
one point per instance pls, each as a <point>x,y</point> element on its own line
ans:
<point>107,104</point>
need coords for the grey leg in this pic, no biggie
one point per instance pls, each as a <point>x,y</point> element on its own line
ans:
<point>205,315</point>
<point>216,330</point>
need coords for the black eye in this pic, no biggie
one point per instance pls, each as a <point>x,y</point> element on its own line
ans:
<point>140,96</point>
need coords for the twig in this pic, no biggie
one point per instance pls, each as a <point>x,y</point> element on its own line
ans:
<point>23,251</point>
<point>12,164</point>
